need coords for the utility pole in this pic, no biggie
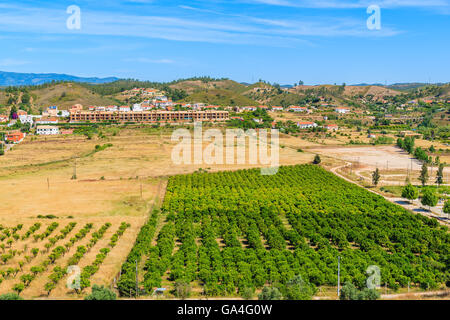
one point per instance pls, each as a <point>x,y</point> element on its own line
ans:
<point>339,277</point>
<point>141,191</point>
<point>48,184</point>
<point>74,176</point>
<point>136,279</point>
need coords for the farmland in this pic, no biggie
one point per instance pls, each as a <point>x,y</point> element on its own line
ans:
<point>223,233</point>
<point>115,185</point>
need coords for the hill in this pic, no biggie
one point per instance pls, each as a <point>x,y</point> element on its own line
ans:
<point>191,86</point>
<point>219,97</point>
<point>27,79</point>
<point>64,95</point>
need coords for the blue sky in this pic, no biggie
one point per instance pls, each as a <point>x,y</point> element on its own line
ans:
<point>284,41</point>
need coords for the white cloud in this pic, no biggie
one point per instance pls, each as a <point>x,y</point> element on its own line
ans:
<point>348,4</point>
<point>225,28</point>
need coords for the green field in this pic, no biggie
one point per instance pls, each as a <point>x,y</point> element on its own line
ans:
<point>228,231</point>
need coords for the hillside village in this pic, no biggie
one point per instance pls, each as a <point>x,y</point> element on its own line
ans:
<point>322,108</point>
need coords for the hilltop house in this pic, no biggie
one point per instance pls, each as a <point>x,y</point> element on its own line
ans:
<point>342,110</point>
<point>332,127</point>
<point>4,118</point>
<point>276,108</point>
<point>306,125</point>
<point>26,119</point>
<point>298,109</point>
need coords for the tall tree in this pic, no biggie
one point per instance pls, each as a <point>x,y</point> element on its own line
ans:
<point>376,177</point>
<point>446,208</point>
<point>317,159</point>
<point>440,175</point>
<point>424,174</point>
<point>429,198</point>
<point>410,192</point>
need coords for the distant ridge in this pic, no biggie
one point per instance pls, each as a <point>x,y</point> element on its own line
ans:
<point>27,79</point>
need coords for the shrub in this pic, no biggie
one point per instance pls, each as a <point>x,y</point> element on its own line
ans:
<point>270,293</point>
<point>101,293</point>
<point>10,296</point>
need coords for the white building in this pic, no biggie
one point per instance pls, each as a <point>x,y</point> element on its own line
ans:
<point>26,119</point>
<point>342,110</point>
<point>47,130</point>
<point>298,109</point>
<point>277,108</point>
<point>306,125</point>
<point>137,107</point>
<point>124,109</point>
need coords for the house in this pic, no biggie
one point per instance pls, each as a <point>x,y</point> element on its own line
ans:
<point>15,137</point>
<point>248,108</point>
<point>52,111</point>
<point>258,120</point>
<point>22,113</point>
<point>47,130</point>
<point>276,108</point>
<point>306,125</point>
<point>26,119</point>
<point>298,109</point>
<point>137,107</point>
<point>124,109</point>
<point>3,118</point>
<point>332,127</point>
<point>342,110</point>
<point>111,108</point>
<point>47,120</point>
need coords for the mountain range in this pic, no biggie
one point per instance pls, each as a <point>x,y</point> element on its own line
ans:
<point>28,79</point>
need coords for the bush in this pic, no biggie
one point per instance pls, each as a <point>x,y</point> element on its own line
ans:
<point>248,293</point>
<point>270,293</point>
<point>317,159</point>
<point>299,289</point>
<point>182,290</point>
<point>101,293</point>
<point>350,292</point>
<point>10,296</point>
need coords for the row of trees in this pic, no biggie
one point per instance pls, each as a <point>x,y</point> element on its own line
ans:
<point>246,243</point>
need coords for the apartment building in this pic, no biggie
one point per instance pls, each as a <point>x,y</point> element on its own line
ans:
<point>149,116</point>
